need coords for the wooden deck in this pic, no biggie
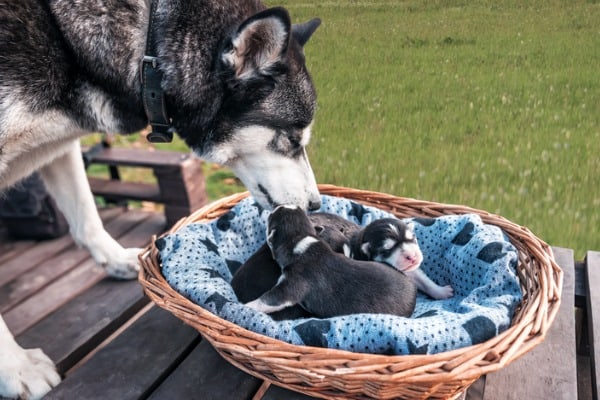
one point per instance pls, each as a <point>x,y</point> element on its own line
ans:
<point>110,342</point>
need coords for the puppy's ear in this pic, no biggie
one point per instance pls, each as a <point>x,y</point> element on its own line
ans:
<point>270,236</point>
<point>347,250</point>
<point>259,44</point>
<point>410,232</point>
<point>365,248</point>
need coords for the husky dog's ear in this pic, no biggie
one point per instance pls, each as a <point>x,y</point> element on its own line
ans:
<point>303,32</point>
<point>259,44</point>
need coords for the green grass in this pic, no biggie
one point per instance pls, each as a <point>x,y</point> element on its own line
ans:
<point>490,104</point>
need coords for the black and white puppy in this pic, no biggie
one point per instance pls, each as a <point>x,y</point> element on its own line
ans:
<point>326,283</point>
<point>261,272</point>
<point>393,242</point>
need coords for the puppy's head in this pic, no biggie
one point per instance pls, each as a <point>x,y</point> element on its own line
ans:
<point>392,242</point>
<point>289,233</point>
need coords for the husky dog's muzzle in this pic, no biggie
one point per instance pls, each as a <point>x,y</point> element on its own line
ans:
<point>272,176</point>
<point>277,180</point>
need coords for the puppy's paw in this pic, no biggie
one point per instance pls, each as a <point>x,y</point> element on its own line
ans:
<point>25,374</point>
<point>260,305</point>
<point>125,265</point>
<point>442,292</point>
<point>257,305</point>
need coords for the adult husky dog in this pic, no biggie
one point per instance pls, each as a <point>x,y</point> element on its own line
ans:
<point>227,76</point>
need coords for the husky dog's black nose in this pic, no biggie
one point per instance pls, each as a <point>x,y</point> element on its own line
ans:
<point>314,205</point>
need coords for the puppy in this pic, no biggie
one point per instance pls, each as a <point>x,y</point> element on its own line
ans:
<point>393,242</point>
<point>326,283</point>
<point>261,272</point>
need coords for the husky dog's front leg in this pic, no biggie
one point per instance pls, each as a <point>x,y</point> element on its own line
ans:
<point>24,374</point>
<point>67,183</point>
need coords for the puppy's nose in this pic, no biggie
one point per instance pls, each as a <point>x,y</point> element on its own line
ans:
<point>413,258</point>
<point>314,205</point>
<point>416,258</point>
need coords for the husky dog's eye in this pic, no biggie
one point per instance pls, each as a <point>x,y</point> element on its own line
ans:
<point>287,142</point>
<point>295,141</point>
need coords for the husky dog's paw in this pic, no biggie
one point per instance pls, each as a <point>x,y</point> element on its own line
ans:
<point>118,262</point>
<point>25,374</point>
<point>125,266</point>
<point>442,292</point>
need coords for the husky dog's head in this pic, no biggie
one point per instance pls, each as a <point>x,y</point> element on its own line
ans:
<point>264,122</point>
<point>389,241</point>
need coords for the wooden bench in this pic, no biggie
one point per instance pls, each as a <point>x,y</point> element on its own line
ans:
<point>109,342</point>
<point>180,182</point>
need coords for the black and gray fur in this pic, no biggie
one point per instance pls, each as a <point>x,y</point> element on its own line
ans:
<point>228,66</point>
<point>261,272</point>
<point>326,283</point>
<point>387,240</point>
<point>391,241</point>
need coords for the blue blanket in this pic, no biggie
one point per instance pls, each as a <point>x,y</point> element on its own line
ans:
<point>475,258</point>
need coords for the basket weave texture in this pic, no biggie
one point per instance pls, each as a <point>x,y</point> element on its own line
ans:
<point>336,374</point>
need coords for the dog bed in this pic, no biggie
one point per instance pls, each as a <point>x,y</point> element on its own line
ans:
<point>477,259</point>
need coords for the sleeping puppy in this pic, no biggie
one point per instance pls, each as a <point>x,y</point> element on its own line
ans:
<point>393,242</point>
<point>326,283</point>
<point>261,272</point>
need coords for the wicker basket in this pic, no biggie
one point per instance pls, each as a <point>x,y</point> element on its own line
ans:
<point>336,374</point>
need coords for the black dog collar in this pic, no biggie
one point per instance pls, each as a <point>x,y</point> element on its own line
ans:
<point>152,94</point>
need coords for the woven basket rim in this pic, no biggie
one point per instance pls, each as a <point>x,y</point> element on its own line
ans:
<point>532,319</point>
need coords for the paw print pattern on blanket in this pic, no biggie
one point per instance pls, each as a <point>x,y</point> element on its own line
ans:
<point>476,259</point>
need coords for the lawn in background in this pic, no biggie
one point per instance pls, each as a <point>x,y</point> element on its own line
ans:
<point>490,104</point>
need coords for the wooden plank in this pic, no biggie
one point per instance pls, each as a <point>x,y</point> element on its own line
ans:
<point>84,276</point>
<point>53,296</point>
<point>36,278</point>
<point>10,248</point>
<point>177,183</point>
<point>122,190</point>
<point>592,261</point>
<point>549,371</point>
<point>43,250</point>
<point>134,363</point>
<point>205,371</point>
<point>139,158</point>
<point>72,331</point>
<point>41,275</point>
<point>24,262</point>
